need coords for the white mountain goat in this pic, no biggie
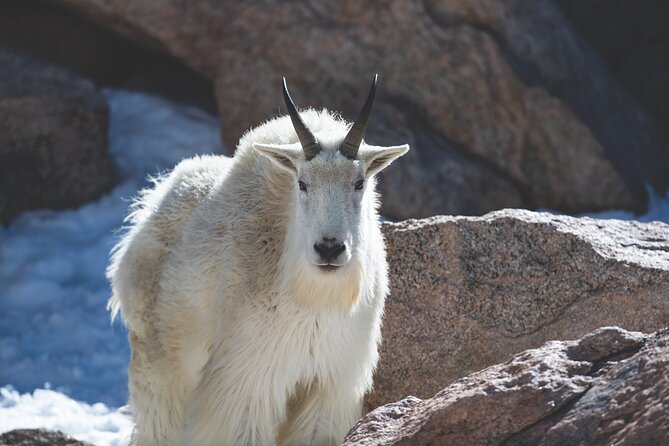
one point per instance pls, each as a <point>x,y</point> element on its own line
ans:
<point>253,287</point>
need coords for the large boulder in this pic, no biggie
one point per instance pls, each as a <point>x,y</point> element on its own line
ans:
<point>469,292</point>
<point>610,387</point>
<point>53,137</point>
<point>505,106</point>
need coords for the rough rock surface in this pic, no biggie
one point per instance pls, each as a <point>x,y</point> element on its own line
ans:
<point>608,388</point>
<point>53,137</point>
<point>38,437</point>
<point>469,292</point>
<point>500,99</point>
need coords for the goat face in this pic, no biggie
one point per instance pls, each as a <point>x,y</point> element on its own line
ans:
<point>333,197</point>
<point>330,173</point>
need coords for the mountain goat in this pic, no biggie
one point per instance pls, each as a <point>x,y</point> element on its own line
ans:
<point>253,287</point>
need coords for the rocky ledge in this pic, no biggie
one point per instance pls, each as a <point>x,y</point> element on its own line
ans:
<point>610,387</point>
<point>470,292</point>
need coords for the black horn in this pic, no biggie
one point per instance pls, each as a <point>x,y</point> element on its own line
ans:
<point>349,148</point>
<point>307,139</point>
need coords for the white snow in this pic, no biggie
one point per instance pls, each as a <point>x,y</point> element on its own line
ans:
<point>48,409</point>
<point>658,210</point>
<point>53,324</point>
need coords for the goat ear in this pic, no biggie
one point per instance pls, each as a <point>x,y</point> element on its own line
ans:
<point>284,156</point>
<point>378,158</point>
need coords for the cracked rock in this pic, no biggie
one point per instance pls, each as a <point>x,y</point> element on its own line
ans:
<point>610,387</point>
<point>470,292</point>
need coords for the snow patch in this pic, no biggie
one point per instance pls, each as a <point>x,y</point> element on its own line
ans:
<point>48,409</point>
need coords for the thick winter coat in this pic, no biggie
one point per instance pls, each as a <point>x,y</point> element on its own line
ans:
<point>253,290</point>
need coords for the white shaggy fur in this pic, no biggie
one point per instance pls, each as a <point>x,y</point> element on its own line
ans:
<point>237,336</point>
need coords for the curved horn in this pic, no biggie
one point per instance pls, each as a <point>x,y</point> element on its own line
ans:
<point>351,144</point>
<point>307,139</point>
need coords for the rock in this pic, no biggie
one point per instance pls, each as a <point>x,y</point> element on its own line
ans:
<point>38,437</point>
<point>608,388</point>
<point>503,103</point>
<point>53,137</point>
<point>470,292</point>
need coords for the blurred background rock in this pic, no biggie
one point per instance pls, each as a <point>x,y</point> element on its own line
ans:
<point>544,104</point>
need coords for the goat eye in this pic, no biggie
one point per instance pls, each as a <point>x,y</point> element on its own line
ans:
<point>302,186</point>
<point>359,184</point>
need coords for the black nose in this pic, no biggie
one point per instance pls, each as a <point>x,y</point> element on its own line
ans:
<point>329,249</point>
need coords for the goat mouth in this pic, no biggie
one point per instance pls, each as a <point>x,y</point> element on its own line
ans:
<point>328,267</point>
